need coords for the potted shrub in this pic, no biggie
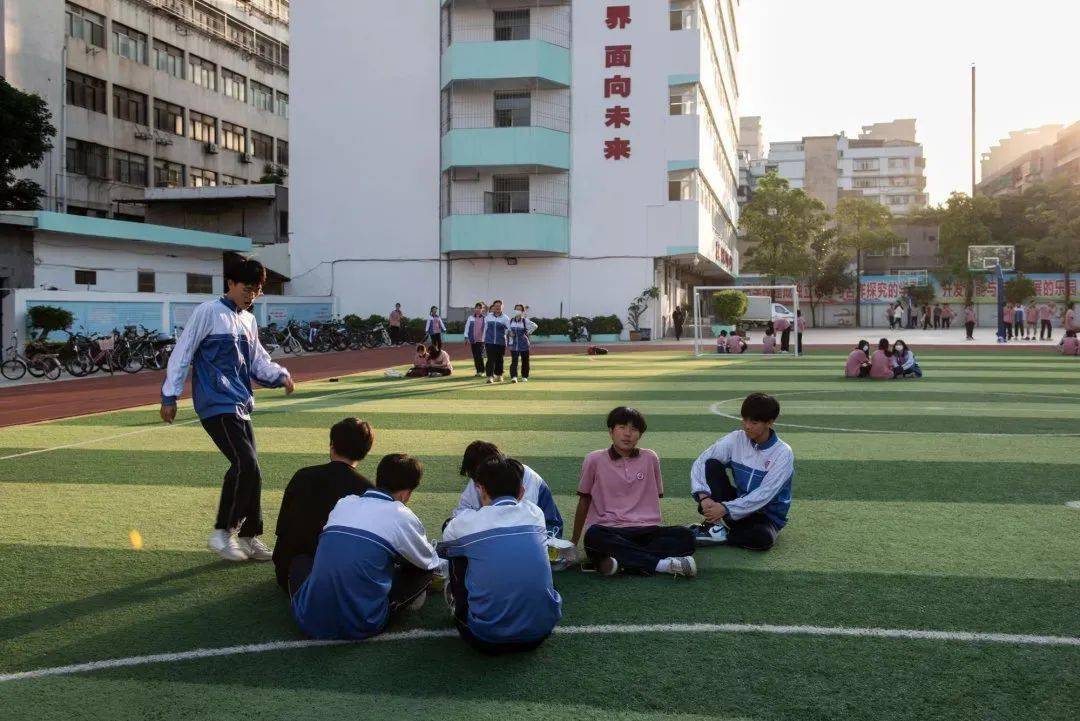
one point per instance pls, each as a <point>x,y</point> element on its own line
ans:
<point>636,310</point>
<point>605,328</point>
<point>551,330</point>
<point>728,309</point>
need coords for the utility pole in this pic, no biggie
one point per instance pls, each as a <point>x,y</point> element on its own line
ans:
<point>973,130</point>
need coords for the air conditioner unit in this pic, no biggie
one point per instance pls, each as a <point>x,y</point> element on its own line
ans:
<point>246,158</point>
<point>464,175</point>
<point>211,148</point>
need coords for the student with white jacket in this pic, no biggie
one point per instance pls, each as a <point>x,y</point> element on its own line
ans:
<point>518,341</point>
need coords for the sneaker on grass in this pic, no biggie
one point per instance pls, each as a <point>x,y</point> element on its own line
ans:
<point>608,566</point>
<point>255,549</point>
<point>224,544</point>
<point>709,534</point>
<point>682,566</point>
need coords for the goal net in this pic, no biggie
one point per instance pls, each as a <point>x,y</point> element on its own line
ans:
<point>761,309</point>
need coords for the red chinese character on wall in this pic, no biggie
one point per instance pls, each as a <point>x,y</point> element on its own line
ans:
<point>616,149</point>
<point>618,16</point>
<point>617,85</point>
<point>617,116</point>
<point>617,56</point>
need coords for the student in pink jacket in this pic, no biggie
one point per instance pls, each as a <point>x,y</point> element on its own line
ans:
<point>768,342</point>
<point>1070,344</point>
<point>858,361</point>
<point>881,362</point>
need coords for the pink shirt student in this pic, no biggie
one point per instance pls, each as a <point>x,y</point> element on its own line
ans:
<point>768,344</point>
<point>781,324</point>
<point>1044,311</point>
<point>442,360</point>
<point>395,318</point>
<point>734,343</point>
<point>969,315</point>
<point>1070,319</point>
<point>854,363</point>
<point>800,324</point>
<point>420,361</point>
<point>1031,315</point>
<point>1070,345</point>
<point>625,492</point>
<point>880,365</point>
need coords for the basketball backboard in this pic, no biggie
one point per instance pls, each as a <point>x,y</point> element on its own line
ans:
<point>986,257</point>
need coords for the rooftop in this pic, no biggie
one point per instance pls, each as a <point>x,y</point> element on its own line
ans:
<point>121,230</point>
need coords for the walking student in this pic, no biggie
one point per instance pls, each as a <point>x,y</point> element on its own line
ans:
<point>519,330</point>
<point>937,316</point>
<point>496,324</point>
<point>474,337</point>
<point>969,321</point>
<point>220,344</point>
<point>800,326</point>
<point>434,328</point>
<point>395,319</point>
<point>947,314</point>
<point>1007,320</point>
<point>678,317</point>
<point>1031,318</point>
<point>1046,331</point>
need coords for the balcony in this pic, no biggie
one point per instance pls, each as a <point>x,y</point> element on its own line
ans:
<point>511,45</point>
<point>511,146</point>
<point>517,222</point>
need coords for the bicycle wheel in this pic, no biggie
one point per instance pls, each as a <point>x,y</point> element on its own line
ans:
<point>371,340</point>
<point>13,369</point>
<point>294,346</point>
<point>52,368</point>
<point>129,361</point>
<point>35,367</point>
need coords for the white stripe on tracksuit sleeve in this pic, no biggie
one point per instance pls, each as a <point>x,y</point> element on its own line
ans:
<point>264,370</point>
<point>721,451</point>
<point>197,328</point>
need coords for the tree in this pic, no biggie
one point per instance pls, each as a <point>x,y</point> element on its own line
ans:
<point>25,136</point>
<point>48,318</point>
<point>963,221</point>
<point>861,225</point>
<point>779,223</point>
<point>1056,208</point>
<point>1019,290</point>
<point>639,305</point>
<point>274,174</point>
<point>826,269</point>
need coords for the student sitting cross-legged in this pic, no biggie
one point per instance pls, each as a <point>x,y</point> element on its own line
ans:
<point>499,589</point>
<point>858,361</point>
<point>619,507</point>
<point>373,559</point>
<point>314,491</point>
<point>749,508</point>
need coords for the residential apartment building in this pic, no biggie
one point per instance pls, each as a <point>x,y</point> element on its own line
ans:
<point>1029,157</point>
<point>151,93</point>
<point>561,154</point>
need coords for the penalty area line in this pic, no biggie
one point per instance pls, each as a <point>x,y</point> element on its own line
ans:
<point>588,630</point>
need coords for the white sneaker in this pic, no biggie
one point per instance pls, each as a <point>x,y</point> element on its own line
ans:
<point>224,544</point>
<point>255,549</point>
<point>709,534</point>
<point>682,566</point>
<point>524,380</point>
<point>490,380</point>
<point>608,566</point>
<point>513,379</point>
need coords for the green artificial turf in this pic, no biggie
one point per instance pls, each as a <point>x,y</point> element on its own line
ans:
<point>936,504</point>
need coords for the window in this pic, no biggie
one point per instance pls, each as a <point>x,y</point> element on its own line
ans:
<point>898,199</point>
<point>901,250</point>
<point>199,178</point>
<point>282,152</point>
<point>168,117</point>
<point>231,180</point>
<point>866,182</point>
<point>898,164</point>
<point>511,195</point>
<point>262,97</point>
<point>680,188</point>
<point>262,146</point>
<point>866,164</point>
<point>232,137</point>
<point>129,168</point>
<point>86,277</point>
<point>168,175</point>
<point>234,85</point>
<point>511,24</point>
<point>283,223</point>
<point>681,15</point>
<point>89,159</point>
<point>682,101</point>
<point>512,110</point>
<point>202,72</point>
<point>203,127</point>
<point>85,25</point>
<point>199,283</point>
<point>146,282</point>
<point>283,105</point>
<point>129,105</point>
<point>169,59</point>
<point>84,91</point>
<point>128,43</point>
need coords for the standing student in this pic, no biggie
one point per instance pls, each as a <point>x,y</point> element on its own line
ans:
<point>496,325</point>
<point>858,361</point>
<point>1018,321</point>
<point>969,321</point>
<point>618,507</point>
<point>749,508</point>
<point>373,559</point>
<point>947,314</point>
<point>937,316</point>
<point>898,314</point>
<point>434,328</point>
<point>500,590</point>
<point>220,343</point>
<point>474,337</point>
<point>926,317</point>
<point>439,362</point>
<point>1031,318</point>
<point>784,326</point>
<point>800,326</point>
<point>903,362</point>
<point>314,491</point>
<point>1046,331</point>
<point>518,333</point>
<point>1007,320</point>
<point>881,361</point>
<point>1070,318</point>
<point>395,319</point>
<point>768,342</point>
<point>678,317</point>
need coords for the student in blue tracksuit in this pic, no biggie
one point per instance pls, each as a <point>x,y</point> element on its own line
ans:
<point>749,509</point>
<point>373,559</point>
<point>518,333</point>
<point>496,325</point>
<point>500,590</point>
<point>220,344</point>
<point>536,490</point>
<point>434,328</point>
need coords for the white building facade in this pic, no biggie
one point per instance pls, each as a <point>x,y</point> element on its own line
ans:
<point>565,155</point>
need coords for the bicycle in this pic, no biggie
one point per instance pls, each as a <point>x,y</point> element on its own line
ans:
<point>16,365</point>
<point>377,336</point>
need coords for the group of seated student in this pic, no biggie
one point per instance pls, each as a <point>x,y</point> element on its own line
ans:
<point>887,362</point>
<point>1070,344</point>
<point>352,555</point>
<point>430,361</point>
<point>733,343</point>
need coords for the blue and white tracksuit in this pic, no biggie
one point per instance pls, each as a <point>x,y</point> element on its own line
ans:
<point>508,592</point>
<point>518,332</point>
<point>434,326</point>
<point>347,594</point>
<point>495,327</point>
<point>220,344</point>
<point>536,492</point>
<point>761,473</point>
<point>906,365</point>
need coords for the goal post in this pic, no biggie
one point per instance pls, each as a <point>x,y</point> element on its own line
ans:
<point>703,311</point>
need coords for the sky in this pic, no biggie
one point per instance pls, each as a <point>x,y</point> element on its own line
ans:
<point>816,67</point>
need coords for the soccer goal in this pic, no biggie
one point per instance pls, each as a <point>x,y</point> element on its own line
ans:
<point>760,310</point>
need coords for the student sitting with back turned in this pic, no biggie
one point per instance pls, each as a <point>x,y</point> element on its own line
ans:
<point>881,361</point>
<point>721,342</point>
<point>314,491</point>
<point>438,362</point>
<point>373,559</point>
<point>536,490</point>
<point>858,361</point>
<point>749,509</point>
<point>735,343</point>
<point>499,589</point>
<point>768,342</point>
<point>619,507</point>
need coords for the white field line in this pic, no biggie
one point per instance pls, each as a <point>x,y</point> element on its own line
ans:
<point>596,630</point>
